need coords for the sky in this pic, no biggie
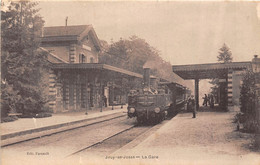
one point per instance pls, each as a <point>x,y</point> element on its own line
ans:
<point>184,32</point>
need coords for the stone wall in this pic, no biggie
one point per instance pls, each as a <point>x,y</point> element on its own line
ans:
<point>236,84</point>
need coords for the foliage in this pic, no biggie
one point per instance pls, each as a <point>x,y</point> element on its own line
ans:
<point>22,63</point>
<point>36,115</point>
<point>224,56</point>
<point>43,114</point>
<point>129,54</point>
<point>9,99</point>
<point>239,117</point>
<point>247,99</point>
<point>247,93</point>
<point>135,53</point>
<point>8,119</point>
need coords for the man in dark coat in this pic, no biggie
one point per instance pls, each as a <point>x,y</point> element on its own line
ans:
<point>205,102</point>
<point>105,100</point>
<point>191,106</point>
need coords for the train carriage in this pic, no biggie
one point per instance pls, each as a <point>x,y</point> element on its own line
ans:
<point>152,106</point>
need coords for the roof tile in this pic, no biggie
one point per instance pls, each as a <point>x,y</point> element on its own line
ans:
<point>64,30</point>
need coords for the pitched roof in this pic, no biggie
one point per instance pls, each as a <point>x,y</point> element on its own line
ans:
<point>65,30</point>
<point>52,57</point>
<point>69,33</point>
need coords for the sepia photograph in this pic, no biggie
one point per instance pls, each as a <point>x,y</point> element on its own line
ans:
<point>87,82</point>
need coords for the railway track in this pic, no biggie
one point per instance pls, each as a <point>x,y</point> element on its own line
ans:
<point>15,138</point>
<point>72,141</point>
<point>100,138</point>
<point>123,140</point>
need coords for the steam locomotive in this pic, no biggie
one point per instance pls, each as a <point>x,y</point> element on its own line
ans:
<point>153,103</point>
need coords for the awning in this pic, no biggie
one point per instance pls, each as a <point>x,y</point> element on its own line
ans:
<point>208,71</point>
<point>97,66</point>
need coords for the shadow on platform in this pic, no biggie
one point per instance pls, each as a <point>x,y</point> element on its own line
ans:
<point>216,108</point>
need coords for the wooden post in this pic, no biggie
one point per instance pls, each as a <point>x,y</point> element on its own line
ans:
<point>77,92</point>
<point>87,94</point>
<point>121,93</point>
<point>113,95</point>
<point>257,106</point>
<point>101,93</point>
<point>196,94</point>
<point>174,97</point>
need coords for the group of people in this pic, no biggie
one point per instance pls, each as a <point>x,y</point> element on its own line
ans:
<point>208,100</point>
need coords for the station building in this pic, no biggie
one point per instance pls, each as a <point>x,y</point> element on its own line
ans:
<point>76,80</point>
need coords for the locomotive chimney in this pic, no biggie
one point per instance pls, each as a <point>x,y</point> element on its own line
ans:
<point>147,77</point>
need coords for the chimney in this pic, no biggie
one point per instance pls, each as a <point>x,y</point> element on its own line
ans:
<point>146,77</point>
<point>256,64</point>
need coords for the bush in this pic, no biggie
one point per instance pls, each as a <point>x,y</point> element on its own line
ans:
<point>250,126</point>
<point>36,115</point>
<point>43,114</point>
<point>9,98</point>
<point>45,111</point>
<point>247,99</point>
<point>46,108</point>
<point>8,119</point>
<point>4,110</point>
<point>27,115</point>
<point>240,117</point>
<point>247,94</point>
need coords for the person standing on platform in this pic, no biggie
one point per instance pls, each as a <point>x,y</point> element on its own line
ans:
<point>208,100</point>
<point>205,102</point>
<point>105,100</point>
<point>189,109</point>
<point>192,106</point>
<point>211,101</point>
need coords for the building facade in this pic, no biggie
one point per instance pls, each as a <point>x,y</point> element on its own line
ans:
<point>73,44</point>
<point>235,80</point>
<point>76,80</point>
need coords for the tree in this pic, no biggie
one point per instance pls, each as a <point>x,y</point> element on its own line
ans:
<point>247,99</point>
<point>130,54</point>
<point>135,53</point>
<point>22,63</point>
<point>225,54</point>
<point>9,98</point>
